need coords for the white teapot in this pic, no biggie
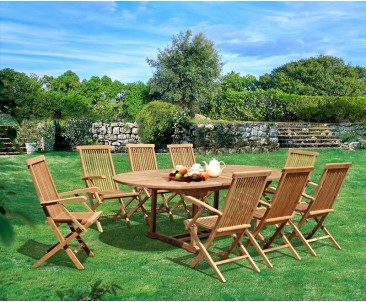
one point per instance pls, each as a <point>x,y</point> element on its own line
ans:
<point>214,168</point>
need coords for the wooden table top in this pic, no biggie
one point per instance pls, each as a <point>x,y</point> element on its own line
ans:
<point>159,179</point>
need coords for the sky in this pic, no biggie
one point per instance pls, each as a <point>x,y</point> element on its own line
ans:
<point>115,38</point>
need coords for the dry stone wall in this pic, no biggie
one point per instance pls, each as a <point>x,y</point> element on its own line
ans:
<point>206,138</point>
<point>235,137</point>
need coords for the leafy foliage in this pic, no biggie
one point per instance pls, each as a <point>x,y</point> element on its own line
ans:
<point>156,121</point>
<point>18,93</point>
<point>96,293</point>
<point>131,99</point>
<point>186,72</point>
<point>77,132</point>
<point>255,105</point>
<point>32,131</point>
<point>322,75</point>
<point>181,126</point>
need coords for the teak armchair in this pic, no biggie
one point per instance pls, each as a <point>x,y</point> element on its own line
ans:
<point>281,209</point>
<point>142,158</point>
<point>98,170</point>
<point>234,220</point>
<point>57,214</point>
<point>321,203</point>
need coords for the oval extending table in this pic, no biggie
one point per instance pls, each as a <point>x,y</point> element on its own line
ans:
<point>159,180</point>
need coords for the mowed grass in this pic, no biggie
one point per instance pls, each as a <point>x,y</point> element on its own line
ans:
<point>148,269</point>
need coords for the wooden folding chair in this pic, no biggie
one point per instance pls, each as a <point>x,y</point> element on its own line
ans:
<point>98,170</point>
<point>234,220</point>
<point>300,158</point>
<point>181,154</point>
<point>321,203</point>
<point>281,210</point>
<point>57,214</point>
<point>142,158</point>
<point>295,158</point>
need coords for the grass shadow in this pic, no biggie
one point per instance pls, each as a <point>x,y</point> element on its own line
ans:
<point>37,250</point>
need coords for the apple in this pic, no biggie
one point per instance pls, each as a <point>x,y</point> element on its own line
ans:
<point>178,175</point>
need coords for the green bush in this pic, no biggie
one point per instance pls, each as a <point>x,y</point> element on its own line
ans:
<point>77,132</point>
<point>155,122</point>
<point>257,105</point>
<point>328,108</point>
<point>36,131</point>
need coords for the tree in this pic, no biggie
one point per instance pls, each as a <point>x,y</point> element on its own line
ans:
<point>132,98</point>
<point>18,93</point>
<point>321,75</point>
<point>235,82</point>
<point>186,72</point>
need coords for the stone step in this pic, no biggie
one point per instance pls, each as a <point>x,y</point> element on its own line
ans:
<point>3,153</point>
<point>322,137</point>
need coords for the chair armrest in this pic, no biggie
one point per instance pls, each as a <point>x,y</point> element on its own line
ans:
<point>266,204</point>
<point>78,191</point>
<point>94,177</point>
<point>72,199</point>
<point>201,204</point>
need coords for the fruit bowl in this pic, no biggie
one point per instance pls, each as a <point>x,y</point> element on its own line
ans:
<point>197,177</point>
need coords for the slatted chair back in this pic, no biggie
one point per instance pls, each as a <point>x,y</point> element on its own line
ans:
<point>289,190</point>
<point>329,186</point>
<point>181,154</point>
<point>97,161</point>
<point>43,183</point>
<point>142,157</point>
<point>241,200</point>
<point>299,158</point>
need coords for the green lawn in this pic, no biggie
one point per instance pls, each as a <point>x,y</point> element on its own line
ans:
<point>148,269</point>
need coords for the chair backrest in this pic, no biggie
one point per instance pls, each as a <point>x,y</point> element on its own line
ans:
<point>43,183</point>
<point>288,192</point>
<point>181,154</point>
<point>142,157</point>
<point>97,161</point>
<point>329,186</point>
<point>299,158</point>
<point>243,196</point>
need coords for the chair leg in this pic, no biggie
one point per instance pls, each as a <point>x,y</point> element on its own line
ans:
<point>62,244</point>
<point>302,238</point>
<point>203,253</point>
<point>258,248</point>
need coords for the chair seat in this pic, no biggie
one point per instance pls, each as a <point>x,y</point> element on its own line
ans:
<point>302,206</point>
<point>207,222</point>
<point>259,212</point>
<point>82,217</point>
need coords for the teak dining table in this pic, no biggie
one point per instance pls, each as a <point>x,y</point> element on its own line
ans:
<point>159,180</point>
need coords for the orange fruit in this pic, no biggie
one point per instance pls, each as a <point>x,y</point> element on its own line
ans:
<point>205,175</point>
<point>183,170</point>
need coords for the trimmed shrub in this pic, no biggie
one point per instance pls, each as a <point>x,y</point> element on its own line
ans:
<point>156,123</point>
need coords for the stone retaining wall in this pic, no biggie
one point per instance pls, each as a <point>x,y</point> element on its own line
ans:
<point>206,138</point>
<point>213,138</point>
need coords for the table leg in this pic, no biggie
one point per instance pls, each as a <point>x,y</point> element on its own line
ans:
<point>153,211</point>
<point>216,199</point>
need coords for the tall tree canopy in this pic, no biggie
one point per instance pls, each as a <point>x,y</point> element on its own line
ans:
<point>321,75</point>
<point>186,72</point>
<point>18,93</point>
